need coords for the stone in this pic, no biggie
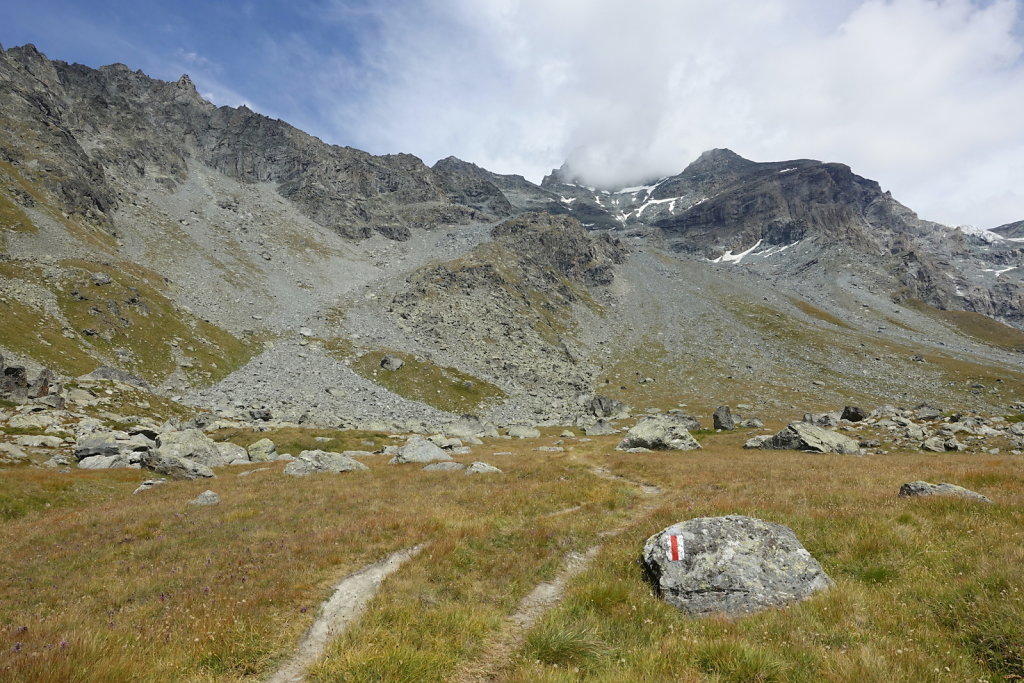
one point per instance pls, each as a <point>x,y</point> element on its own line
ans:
<point>14,383</point>
<point>316,462</point>
<point>97,443</point>
<point>263,450</point>
<point>601,406</point>
<point>261,415</point>
<point>750,423</point>
<point>190,444</point>
<point>804,436</point>
<point>51,400</point>
<point>757,441</point>
<point>391,362</point>
<point>57,461</point>
<point>40,386</point>
<point>935,444</point>
<point>549,449</point>
<point>523,432</point>
<point>722,419</point>
<point>174,467</point>
<point>444,467</point>
<point>923,488</point>
<point>107,462</point>
<point>418,449</point>
<point>12,452</point>
<point>659,433</point>
<point>108,373</point>
<point>205,498</point>
<point>730,565</point>
<point>568,434</point>
<point>149,484</point>
<point>600,428</point>
<point>482,468</point>
<point>854,414</point>
<point>39,441</point>
<point>232,453</point>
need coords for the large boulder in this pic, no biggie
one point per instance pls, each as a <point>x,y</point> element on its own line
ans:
<point>722,419</point>
<point>232,453</point>
<point>190,444</point>
<point>315,462</point>
<point>730,565</point>
<point>602,406</point>
<point>923,488</point>
<point>263,450</point>
<point>391,362</point>
<point>523,432</point>
<point>97,443</point>
<point>174,467</point>
<point>418,449</point>
<point>804,436</point>
<point>13,382</point>
<point>660,433</point>
<point>482,468</point>
<point>854,414</point>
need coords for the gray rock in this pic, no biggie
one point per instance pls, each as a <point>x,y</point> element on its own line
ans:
<point>750,423</point>
<point>174,467</point>
<point>600,428</point>
<point>418,449</point>
<point>105,372</point>
<point>660,433</point>
<point>13,383</point>
<point>316,462</point>
<point>444,467</point>
<point>482,468</point>
<point>28,441</point>
<point>854,414</point>
<point>923,488</point>
<point>939,444</point>
<point>98,443</point>
<point>190,444</point>
<point>722,419</point>
<point>391,362</point>
<point>549,449</point>
<point>106,462</point>
<point>205,498</point>
<point>757,441</point>
<point>57,461</point>
<point>523,432</point>
<point>232,453</point>
<point>12,452</point>
<point>730,565</point>
<point>263,450</point>
<point>149,484</point>
<point>804,436</point>
<point>601,406</point>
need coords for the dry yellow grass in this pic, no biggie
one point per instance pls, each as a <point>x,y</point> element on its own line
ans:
<point>111,586</point>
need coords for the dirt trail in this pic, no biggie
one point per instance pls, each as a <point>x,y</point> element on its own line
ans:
<point>546,594</point>
<point>350,597</point>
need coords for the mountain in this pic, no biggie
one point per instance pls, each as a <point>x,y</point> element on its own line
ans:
<point>234,261</point>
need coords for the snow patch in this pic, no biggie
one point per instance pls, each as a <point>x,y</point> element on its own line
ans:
<point>998,271</point>
<point>986,235</point>
<point>567,200</point>
<point>787,170</point>
<point>729,257</point>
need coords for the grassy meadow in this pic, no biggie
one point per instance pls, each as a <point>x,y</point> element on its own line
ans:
<point>103,585</point>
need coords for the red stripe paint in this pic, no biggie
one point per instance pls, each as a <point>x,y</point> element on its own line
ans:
<point>674,540</point>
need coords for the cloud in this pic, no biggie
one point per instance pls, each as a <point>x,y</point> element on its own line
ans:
<point>922,95</point>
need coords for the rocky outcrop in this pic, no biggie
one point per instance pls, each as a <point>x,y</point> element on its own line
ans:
<point>730,565</point>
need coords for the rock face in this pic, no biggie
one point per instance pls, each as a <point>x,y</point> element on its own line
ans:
<point>659,433</point>
<point>803,436</point>
<point>923,488</point>
<point>418,449</point>
<point>315,462</point>
<point>730,565</point>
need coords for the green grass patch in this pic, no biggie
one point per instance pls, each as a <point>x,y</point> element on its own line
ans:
<point>294,440</point>
<point>976,325</point>
<point>422,380</point>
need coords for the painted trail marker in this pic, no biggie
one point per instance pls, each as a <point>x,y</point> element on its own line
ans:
<point>675,548</point>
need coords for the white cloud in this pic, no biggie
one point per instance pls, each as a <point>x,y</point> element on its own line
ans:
<point>922,95</point>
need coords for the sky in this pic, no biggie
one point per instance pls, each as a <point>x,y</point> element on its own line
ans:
<point>924,96</point>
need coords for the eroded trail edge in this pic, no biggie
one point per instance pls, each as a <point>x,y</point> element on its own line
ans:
<point>351,596</point>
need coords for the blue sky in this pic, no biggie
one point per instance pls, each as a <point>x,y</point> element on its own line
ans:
<point>922,95</point>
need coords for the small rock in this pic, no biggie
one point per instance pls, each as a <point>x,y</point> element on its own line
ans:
<point>391,362</point>
<point>205,498</point>
<point>482,468</point>
<point>149,484</point>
